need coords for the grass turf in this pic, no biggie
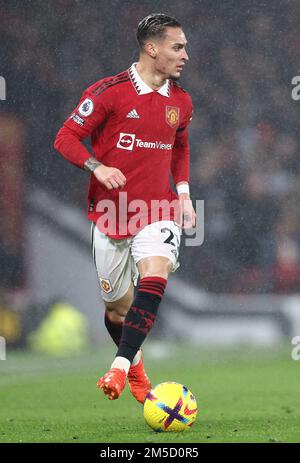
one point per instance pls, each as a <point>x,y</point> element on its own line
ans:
<point>245,395</point>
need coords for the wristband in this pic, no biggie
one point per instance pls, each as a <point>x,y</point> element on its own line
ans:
<point>183,188</point>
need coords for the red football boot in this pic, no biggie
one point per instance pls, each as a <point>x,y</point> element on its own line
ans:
<point>139,382</point>
<point>113,383</point>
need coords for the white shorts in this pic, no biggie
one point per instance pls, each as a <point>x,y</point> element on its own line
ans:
<point>116,260</point>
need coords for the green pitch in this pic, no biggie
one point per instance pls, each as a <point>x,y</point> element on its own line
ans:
<point>243,396</point>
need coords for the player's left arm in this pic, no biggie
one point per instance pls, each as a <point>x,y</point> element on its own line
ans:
<point>180,168</point>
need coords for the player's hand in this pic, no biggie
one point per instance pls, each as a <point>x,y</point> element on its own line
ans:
<point>187,212</point>
<point>111,177</point>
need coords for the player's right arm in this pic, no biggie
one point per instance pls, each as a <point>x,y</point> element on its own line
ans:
<point>89,114</point>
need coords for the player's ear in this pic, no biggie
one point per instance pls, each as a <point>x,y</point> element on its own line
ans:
<point>150,49</point>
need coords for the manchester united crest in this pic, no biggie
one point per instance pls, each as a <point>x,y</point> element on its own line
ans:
<point>105,285</point>
<point>172,116</point>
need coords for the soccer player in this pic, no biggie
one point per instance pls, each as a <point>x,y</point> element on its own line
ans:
<point>138,123</point>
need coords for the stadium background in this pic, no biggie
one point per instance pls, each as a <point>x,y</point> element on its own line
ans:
<point>242,284</point>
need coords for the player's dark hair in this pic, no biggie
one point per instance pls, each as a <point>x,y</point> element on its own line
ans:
<point>154,26</point>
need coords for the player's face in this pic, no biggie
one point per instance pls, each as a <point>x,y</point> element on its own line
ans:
<point>171,53</point>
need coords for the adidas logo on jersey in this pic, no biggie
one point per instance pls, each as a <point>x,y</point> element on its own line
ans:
<point>133,114</point>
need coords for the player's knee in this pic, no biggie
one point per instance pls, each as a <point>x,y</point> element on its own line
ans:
<point>114,317</point>
<point>116,310</point>
<point>162,273</point>
<point>156,267</point>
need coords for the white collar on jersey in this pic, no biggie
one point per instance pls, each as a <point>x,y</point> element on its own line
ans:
<point>142,88</point>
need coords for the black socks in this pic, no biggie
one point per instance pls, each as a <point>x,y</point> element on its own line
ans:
<point>140,317</point>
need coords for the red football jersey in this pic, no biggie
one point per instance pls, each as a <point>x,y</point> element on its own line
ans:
<point>138,130</point>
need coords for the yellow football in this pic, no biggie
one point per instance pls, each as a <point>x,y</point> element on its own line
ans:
<point>170,406</point>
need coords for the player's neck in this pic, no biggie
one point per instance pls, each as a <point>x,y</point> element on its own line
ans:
<point>151,77</point>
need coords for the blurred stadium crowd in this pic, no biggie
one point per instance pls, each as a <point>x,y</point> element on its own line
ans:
<point>245,159</point>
